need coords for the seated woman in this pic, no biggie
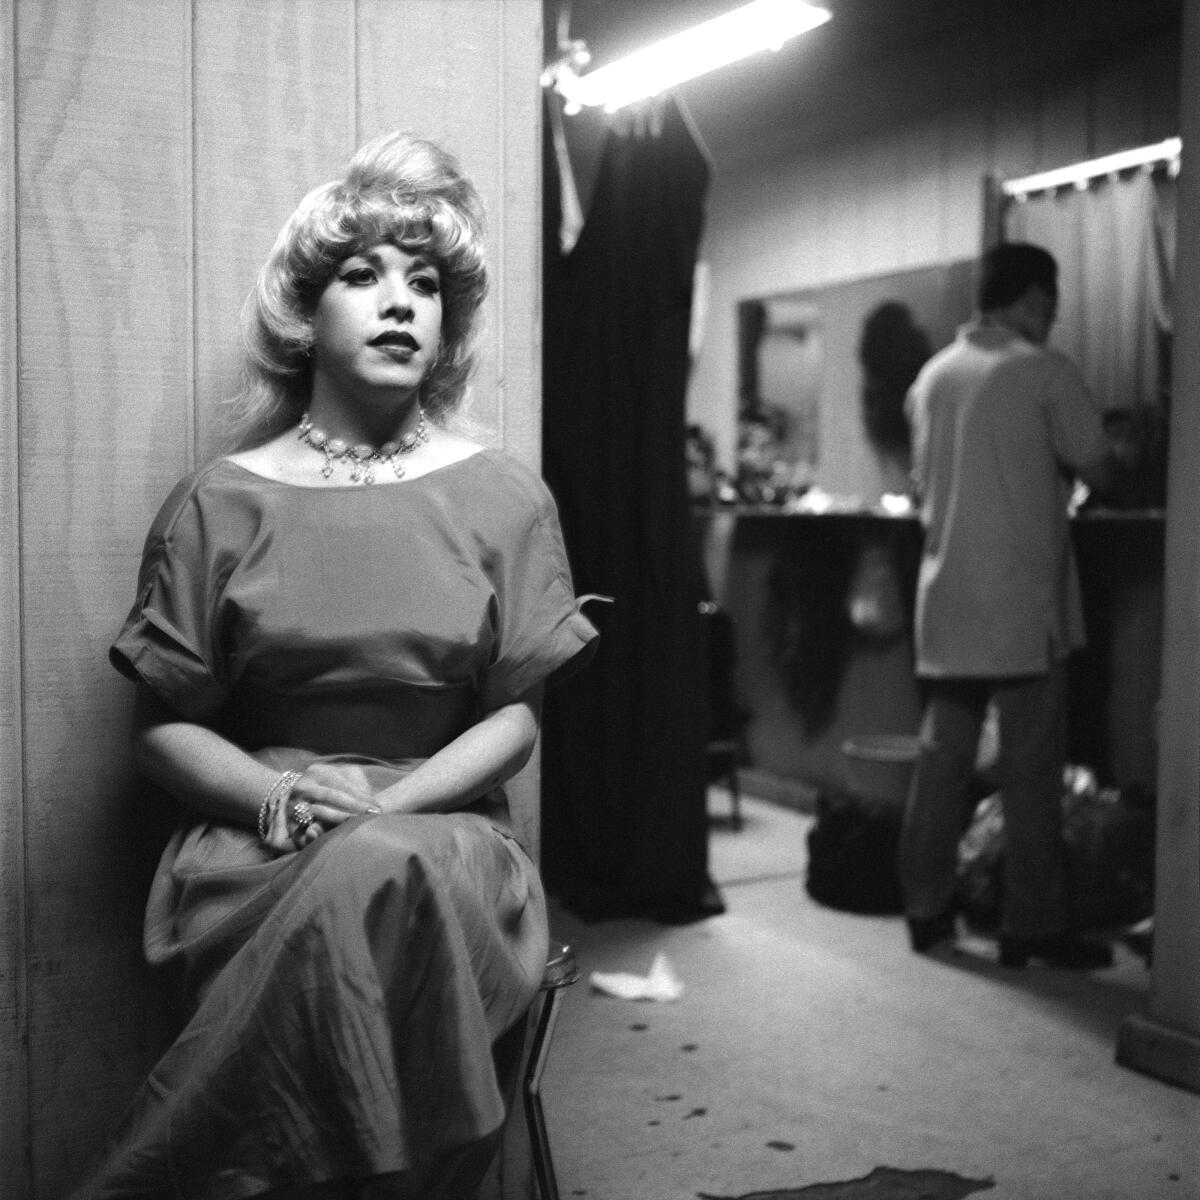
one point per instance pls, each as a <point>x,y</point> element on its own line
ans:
<point>340,638</point>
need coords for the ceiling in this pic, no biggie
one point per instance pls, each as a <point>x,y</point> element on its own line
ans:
<point>876,62</point>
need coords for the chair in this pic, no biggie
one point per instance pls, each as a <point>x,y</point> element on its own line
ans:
<point>561,972</point>
<point>726,745</point>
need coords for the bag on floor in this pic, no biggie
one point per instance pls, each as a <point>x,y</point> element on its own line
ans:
<point>852,854</point>
<point>1109,843</point>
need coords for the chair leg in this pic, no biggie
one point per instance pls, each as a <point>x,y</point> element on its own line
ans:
<point>543,1164</point>
<point>723,759</point>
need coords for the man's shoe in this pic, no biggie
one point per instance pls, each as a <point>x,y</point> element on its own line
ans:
<point>926,933</point>
<point>1067,950</point>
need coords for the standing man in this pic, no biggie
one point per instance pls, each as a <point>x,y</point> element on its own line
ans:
<point>1001,425</point>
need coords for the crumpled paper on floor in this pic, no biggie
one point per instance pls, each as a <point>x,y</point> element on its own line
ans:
<point>662,984</point>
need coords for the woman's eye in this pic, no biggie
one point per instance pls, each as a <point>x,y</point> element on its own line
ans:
<point>358,276</point>
<point>427,285</point>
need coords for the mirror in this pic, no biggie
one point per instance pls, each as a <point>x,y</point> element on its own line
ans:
<point>822,373</point>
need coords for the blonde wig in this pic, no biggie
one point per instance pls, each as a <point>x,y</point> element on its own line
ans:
<point>398,188</point>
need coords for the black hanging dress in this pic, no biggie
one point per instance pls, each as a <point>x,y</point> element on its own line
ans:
<point>624,772</point>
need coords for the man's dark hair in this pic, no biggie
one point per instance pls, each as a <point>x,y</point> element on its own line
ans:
<point>1011,269</point>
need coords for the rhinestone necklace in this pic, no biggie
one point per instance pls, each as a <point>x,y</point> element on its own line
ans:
<point>362,458</point>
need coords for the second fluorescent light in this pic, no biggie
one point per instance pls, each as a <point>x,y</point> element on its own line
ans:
<point>1078,174</point>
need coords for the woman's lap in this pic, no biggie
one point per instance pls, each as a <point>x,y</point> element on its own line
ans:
<point>348,1030</point>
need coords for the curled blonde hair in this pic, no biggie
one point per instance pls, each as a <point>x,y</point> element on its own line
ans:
<point>398,188</point>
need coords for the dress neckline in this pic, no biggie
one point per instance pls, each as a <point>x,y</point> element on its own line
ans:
<point>351,487</point>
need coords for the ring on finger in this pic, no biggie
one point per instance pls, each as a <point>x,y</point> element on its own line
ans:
<point>302,815</point>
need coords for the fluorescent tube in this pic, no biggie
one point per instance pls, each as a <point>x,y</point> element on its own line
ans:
<point>761,25</point>
<point>1078,174</point>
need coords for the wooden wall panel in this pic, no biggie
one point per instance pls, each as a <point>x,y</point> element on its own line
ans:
<point>103,310</point>
<point>14,1059</point>
<point>921,208</point>
<point>1015,147</point>
<point>963,164</point>
<point>517,233</point>
<point>881,217</point>
<point>1124,99</point>
<point>274,115</point>
<point>1067,133</point>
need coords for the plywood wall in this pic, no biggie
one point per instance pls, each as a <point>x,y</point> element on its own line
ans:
<point>13,1071</point>
<point>149,151</point>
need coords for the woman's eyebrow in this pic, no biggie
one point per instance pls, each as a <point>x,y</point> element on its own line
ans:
<point>420,262</point>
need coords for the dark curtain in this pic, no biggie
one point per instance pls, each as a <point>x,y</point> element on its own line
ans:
<point>624,770</point>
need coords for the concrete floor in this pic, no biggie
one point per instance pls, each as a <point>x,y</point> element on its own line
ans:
<point>811,1045</point>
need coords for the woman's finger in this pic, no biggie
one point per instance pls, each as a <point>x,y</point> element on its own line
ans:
<point>333,796</point>
<point>311,808</point>
<point>305,814</point>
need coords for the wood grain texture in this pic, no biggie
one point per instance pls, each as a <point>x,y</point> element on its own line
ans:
<point>103,310</point>
<point>517,223</point>
<point>274,116</point>
<point>14,1057</point>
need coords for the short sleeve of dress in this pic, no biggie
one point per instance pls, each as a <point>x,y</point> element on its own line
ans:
<point>167,639</point>
<point>542,635</point>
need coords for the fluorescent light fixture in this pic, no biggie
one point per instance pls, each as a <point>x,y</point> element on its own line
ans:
<point>761,25</point>
<point>1078,174</point>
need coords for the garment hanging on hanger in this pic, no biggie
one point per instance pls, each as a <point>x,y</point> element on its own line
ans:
<point>624,770</point>
<point>571,223</point>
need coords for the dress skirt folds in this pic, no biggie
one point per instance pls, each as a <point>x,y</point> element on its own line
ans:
<point>345,995</point>
<point>348,999</point>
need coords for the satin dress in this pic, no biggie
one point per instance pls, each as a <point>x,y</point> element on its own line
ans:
<point>347,999</point>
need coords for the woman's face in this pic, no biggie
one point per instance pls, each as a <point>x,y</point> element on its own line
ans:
<point>378,323</point>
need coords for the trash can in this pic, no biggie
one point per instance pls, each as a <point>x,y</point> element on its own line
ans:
<point>881,764</point>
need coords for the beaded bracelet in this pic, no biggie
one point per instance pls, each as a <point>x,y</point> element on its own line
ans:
<point>276,793</point>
